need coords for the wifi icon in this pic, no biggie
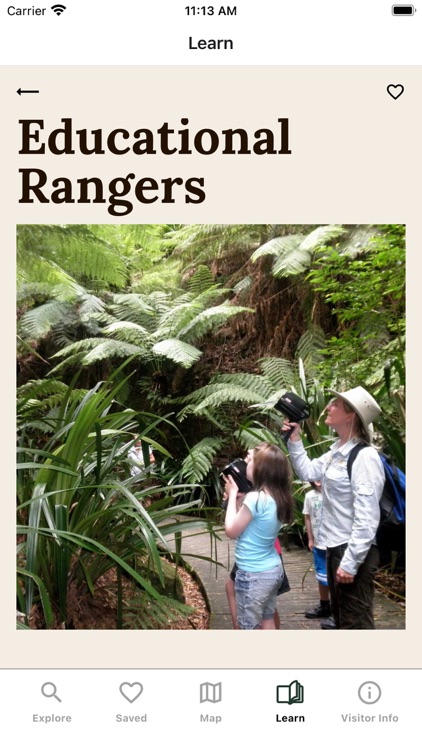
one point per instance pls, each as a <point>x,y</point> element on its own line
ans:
<point>58,9</point>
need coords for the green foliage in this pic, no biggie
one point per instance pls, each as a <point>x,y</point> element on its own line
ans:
<point>294,253</point>
<point>80,514</point>
<point>366,294</point>
<point>159,329</point>
<point>61,254</point>
<point>199,243</point>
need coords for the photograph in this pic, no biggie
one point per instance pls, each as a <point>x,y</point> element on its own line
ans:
<point>211,427</point>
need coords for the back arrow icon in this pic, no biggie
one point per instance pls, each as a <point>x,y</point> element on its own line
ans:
<point>27,91</point>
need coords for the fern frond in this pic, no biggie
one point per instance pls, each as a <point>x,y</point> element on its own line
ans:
<point>292,263</point>
<point>176,317</point>
<point>38,322</point>
<point>178,351</point>
<point>310,347</point>
<point>358,241</point>
<point>210,319</point>
<point>278,246</point>
<point>279,372</point>
<point>135,308</point>
<point>249,437</point>
<point>127,331</point>
<point>111,350</point>
<point>39,388</point>
<point>90,305</point>
<point>206,242</point>
<point>200,460</point>
<point>165,276</point>
<point>201,280</point>
<point>211,295</point>
<point>77,347</point>
<point>322,236</point>
<point>243,285</point>
<point>82,254</point>
<point>251,382</point>
<point>217,395</point>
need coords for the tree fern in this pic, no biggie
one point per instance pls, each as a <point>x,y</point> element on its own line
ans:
<point>165,276</point>
<point>135,308</point>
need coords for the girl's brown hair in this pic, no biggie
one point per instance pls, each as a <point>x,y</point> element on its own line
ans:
<point>271,472</point>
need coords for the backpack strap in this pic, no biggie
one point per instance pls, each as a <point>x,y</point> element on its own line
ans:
<point>352,455</point>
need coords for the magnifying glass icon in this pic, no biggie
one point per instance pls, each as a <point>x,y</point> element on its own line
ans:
<point>49,690</point>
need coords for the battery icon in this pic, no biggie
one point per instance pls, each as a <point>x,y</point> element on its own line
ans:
<point>402,10</point>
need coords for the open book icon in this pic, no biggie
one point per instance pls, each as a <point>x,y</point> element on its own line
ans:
<point>292,693</point>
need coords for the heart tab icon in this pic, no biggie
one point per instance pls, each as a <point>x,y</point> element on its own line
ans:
<point>395,90</point>
<point>131,690</point>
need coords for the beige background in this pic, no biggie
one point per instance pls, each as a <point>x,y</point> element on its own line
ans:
<point>356,158</point>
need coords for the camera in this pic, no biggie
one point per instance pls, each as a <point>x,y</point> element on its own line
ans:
<point>294,408</point>
<point>237,470</point>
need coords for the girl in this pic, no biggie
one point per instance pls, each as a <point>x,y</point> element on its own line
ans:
<point>255,526</point>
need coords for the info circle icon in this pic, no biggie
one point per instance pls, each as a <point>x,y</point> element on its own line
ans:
<point>369,692</point>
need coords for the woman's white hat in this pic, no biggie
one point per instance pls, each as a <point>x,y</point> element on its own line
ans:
<point>364,405</point>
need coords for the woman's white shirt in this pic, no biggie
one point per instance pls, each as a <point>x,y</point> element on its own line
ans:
<point>350,510</point>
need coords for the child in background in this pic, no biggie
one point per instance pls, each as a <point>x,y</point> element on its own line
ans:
<point>137,458</point>
<point>312,510</point>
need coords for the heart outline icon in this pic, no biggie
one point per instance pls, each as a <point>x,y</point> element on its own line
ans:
<point>128,686</point>
<point>395,90</point>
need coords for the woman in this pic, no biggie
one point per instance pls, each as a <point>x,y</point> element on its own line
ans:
<point>255,525</point>
<point>350,510</point>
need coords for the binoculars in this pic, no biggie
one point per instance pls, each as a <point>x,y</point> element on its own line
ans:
<point>294,408</point>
